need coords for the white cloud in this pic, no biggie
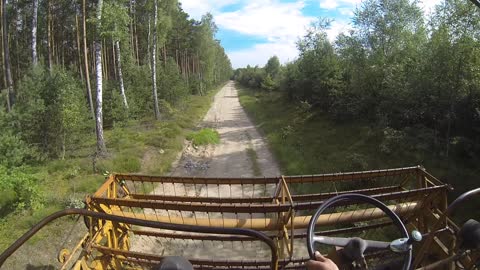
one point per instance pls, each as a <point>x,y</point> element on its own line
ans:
<point>337,27</point>
<point>260,53</point>
<point>333,4</point>
<point>279,23</point>
<point>269,19</point>
<point>197,8</point>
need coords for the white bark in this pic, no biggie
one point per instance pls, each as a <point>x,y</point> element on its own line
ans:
<point>120,74</point>
<point>101,148</point>
<point>6,50</point>
<point>149,42</point>
<point>34,32</point>
<point>154,61</point>
<point>85,59</point>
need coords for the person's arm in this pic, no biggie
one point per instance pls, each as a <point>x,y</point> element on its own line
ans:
<point>321,263</point>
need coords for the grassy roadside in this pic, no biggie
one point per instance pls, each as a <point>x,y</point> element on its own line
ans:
<point>306,142</point>
<point>144,146</point>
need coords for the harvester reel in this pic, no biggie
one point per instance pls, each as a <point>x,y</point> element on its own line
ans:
<point>354,248</point>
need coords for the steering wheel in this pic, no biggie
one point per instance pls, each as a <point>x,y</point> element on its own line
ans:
<point>354,248</point>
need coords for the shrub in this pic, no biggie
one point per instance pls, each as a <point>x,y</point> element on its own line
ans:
<point>392,139</point>
<point>14,152</point>
<point>204,137</point>
<point>24,186</point>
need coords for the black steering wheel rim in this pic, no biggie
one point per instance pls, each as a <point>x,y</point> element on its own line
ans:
<point>361,198</point>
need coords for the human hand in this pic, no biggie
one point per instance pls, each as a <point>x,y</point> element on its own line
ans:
<point>321,263</point>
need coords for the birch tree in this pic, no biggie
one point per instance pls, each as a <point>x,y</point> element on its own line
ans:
<point>101,148</point>
<point>34,32</point>
<point>116,22</point>
<point>154,61</point>
<point>6,53</point>
<point>85,59</point>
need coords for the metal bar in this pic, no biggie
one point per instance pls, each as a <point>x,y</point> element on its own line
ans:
<point>306,197</point>
<point>74,250</point>
<point>285,265</point>
<point>382,197</point>
<point>199,262</point>
<point>146,223</point>
<point>298,234</point>
<point>353,176</point>
<point>104,188</point>
<point>430,177</point>
<point>251,208</point>
<point>443,262</point>
<point>299,222</point>
<point>195,207</point>
<point>193,236</point>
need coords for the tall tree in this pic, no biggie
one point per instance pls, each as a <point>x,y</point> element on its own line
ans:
<point>85,58</point>
<point>273,66</point>
<point>120,73</point>
<point>34,32</point>
<point>49,34</point>
<point>154,60</point>
<point>101,148</point>
<point>115,25</point>
<point>6,52</point>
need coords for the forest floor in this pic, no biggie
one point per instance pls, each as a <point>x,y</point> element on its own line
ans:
<point>242,152</point>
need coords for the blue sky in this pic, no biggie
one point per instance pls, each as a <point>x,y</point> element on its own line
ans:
<point>252,31</point>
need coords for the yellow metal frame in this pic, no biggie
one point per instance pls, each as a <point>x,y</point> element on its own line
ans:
<point>420,211</point>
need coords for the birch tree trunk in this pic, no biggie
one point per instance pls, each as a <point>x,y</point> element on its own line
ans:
<point>154,61</point>
<point>120,74</point>
<point>34,32</point>
<point>3,85</point>
<point>6,55</point>
<point>85,59</point>
<point>149,41</point>
<point>79,46</point>
<point>101,148</point>
<point>49,35</point>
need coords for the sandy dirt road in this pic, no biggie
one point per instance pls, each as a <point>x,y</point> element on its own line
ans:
<point>229,158</point>
<point>237,134</point>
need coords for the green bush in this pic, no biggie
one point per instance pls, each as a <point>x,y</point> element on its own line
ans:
<point>204,137</point>
<point>21,185</point>
<point>15,152</point>
<point>50,111</point>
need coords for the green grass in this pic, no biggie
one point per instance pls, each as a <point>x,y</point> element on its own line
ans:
<point>204,136</point>
<point>313,143</point>
<point>62,181</point>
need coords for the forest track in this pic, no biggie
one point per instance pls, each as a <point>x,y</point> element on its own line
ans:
<point>237,134</point>
<point>229,158</point>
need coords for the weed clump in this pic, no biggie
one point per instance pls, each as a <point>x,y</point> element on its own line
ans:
<point>204,137</point>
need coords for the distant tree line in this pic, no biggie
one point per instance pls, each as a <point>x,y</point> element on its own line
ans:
<point>415,76</point>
